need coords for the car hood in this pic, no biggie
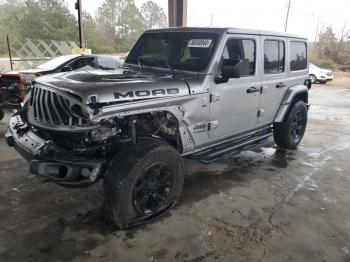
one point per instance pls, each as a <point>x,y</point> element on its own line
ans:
<point>26,71</point>
<point>319,70</point>
<point>325,71</point>
<point>116,86</point>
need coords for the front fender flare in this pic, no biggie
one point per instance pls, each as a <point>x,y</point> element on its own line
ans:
<point>294,92</point>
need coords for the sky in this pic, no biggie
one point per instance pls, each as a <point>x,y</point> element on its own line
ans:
<point>304,15</point>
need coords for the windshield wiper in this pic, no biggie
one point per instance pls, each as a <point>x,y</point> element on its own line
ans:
<point>140,64</point>
<point>154,63</point>
<point>171,68</point>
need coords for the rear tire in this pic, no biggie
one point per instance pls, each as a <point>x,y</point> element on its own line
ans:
<point>289,133</point>
<point>142,182</point>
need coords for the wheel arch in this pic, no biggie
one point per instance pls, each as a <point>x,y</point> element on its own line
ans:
<point>183,136</point>
<point>173,139</point>
<point>294,93</point>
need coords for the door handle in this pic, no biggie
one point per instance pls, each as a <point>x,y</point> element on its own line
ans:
<point>280,84</point>
<point>253,90</point>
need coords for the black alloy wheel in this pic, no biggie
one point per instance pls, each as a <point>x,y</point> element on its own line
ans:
<point>297,126</point>
<point>152,190</point>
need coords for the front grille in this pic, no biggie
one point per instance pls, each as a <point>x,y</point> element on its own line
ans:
<point>54,108</point>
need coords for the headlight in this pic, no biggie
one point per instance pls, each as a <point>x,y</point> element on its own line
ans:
<point>78,111</point>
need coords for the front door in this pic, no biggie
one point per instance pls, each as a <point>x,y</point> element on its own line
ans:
<point>234,104</point>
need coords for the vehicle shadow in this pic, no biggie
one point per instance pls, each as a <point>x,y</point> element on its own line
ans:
<point>239,171</point>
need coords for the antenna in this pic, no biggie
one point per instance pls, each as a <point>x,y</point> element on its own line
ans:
<point>285,27</point>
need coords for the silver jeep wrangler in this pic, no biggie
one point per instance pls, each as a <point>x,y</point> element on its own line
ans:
<point>198,93</point>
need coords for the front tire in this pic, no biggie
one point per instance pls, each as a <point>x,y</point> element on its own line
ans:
<point>142,183</point>
<point>290,132</point>
<point>313,79</point>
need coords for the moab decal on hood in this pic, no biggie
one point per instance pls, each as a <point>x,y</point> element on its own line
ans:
<point>147,93</point>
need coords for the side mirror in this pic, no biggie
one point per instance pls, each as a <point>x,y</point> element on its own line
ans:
<point>66,69</point>
<point>231,68</point>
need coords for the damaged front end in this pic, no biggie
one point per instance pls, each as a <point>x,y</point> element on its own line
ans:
<point>54,132</point>
<point>51,133</point>
<point>50,160</point>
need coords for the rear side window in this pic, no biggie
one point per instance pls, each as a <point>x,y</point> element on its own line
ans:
<point>243,50</point>
<point>274,56</point>
<point>298,56</point>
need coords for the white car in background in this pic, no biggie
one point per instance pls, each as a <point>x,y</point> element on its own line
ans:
<point>319,75</point>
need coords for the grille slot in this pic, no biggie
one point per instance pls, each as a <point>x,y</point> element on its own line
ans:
<point>52,108</point>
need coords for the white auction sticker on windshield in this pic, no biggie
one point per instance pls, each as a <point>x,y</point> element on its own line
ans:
<point>200,43</point>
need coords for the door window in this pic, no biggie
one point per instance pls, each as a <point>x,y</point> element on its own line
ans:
<point>274,56</point>
<point>87,63</point>
<point>298,59</point>
<point>243,50</point>
<point>106,63</point>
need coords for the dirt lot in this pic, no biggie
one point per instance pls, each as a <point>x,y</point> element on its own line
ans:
<point>262,205</point>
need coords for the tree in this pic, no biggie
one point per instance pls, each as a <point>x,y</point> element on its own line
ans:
<point>331,51</point>
<point>115,28</point>
<point>326,47</point>
<point>92,36</point>
<point>6,10</point>
<point>328,43</point>
<point>343,54</point>
<point>131,25</point>
<point>124,19</point>
<point>153,15</point>
<point>40,19</point>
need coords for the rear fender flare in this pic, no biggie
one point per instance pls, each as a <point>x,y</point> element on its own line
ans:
<point>297,92</point>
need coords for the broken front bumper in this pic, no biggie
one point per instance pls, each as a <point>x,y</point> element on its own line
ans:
<point>50,160</point>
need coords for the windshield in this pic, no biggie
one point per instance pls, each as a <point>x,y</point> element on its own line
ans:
<point>174,50</point>
<point>54,63</point>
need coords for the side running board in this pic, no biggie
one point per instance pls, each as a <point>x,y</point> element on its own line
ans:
<point>229,147</point>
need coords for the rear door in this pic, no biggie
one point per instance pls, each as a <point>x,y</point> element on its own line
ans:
<point>234,104</point>
<point>274,81</point>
